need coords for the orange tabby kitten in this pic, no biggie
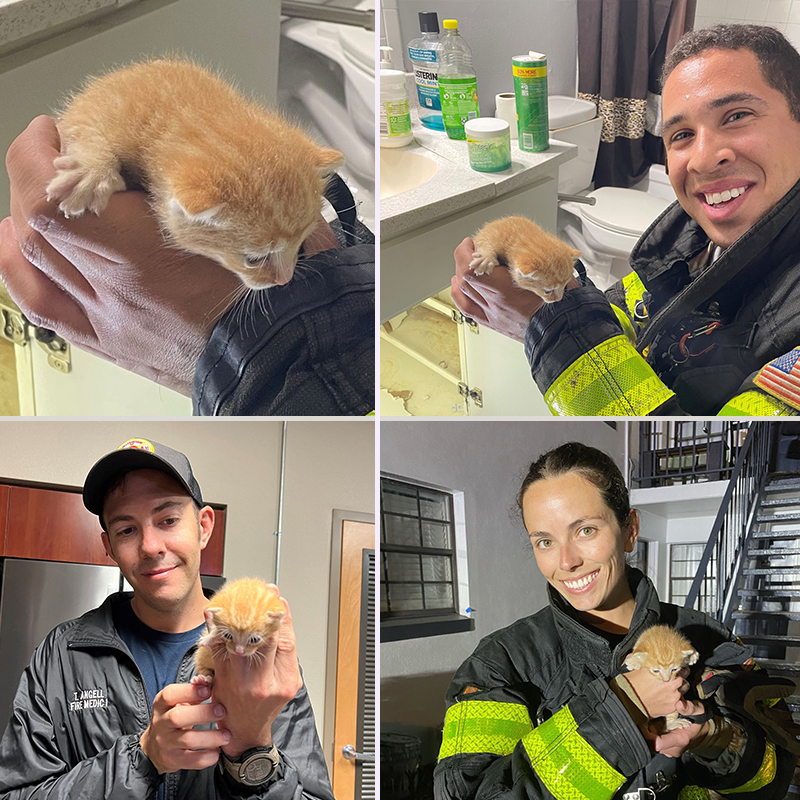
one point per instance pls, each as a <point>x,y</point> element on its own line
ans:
<point>228,179</point>
<point>240,618</point>
<point>537,261</point>
<point>664,652</point>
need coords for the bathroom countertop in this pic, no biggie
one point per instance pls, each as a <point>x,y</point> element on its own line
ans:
<point>25,20</point>
<point>456,186</point>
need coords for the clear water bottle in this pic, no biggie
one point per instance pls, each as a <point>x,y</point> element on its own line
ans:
<point>423,55</point>
<point>458,86</point>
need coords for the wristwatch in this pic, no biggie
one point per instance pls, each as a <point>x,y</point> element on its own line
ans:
<point>253,767</point>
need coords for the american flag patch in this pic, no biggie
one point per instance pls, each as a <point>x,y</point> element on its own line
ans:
<point>781,378</point>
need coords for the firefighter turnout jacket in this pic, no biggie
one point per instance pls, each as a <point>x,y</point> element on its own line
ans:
<point>531,715</point>
<point>676,337</point>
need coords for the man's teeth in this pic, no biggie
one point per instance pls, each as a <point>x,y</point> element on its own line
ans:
<point>722,197</point>
<point>581,582</point>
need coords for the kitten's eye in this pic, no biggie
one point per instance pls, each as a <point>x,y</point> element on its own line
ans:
<point>255,639</point>
<point>255,261</point>
<point>226,635</point>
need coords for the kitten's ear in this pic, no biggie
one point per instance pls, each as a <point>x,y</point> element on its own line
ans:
<point>208,215</point>
<point>634,660</point>
<point>211,614</point>
<point>576,253</point>
<point>690,656</point>
<point>328,160</point>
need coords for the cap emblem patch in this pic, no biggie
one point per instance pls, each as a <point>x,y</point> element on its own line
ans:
<point>137,444</point>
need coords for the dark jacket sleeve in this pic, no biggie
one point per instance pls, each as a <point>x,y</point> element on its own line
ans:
<point>32,767</point>
<point>493,745</point>
<point>307,348</point>
<point>584,361</point>
<point>302,773</point>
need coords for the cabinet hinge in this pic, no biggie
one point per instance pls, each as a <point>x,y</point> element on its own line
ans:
<point>476,395</point>
<point>460,319</point>
<point>14,325</point>
<point>59,353</point>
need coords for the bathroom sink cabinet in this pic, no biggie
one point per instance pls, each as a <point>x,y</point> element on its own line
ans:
<point>416,265</point>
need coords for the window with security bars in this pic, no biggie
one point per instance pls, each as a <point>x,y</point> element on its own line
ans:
<point>684,559</point>
<point>418,564</point>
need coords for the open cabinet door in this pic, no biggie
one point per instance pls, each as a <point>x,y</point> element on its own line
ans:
<point>350,691</point>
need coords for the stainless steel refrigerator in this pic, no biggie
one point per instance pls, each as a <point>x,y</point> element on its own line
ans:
<point>35,597</point>
<point>38,595</point>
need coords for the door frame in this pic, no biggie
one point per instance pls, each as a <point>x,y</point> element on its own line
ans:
<point>332,647</point>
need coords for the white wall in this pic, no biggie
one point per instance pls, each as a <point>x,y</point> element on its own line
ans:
<point>781,14</point>
<point>329,465</point>
<point>487,461</point>
<point>497,31</point>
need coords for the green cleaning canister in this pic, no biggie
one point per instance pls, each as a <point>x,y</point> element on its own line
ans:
<point>488,143</point>
<point>530,88</point>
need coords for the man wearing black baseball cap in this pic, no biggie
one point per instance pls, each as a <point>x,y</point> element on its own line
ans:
<point>105,708</point>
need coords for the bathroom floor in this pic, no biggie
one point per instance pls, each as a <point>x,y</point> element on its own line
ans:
<point>9,401</point>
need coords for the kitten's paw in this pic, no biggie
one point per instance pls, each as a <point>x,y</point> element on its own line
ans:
<point>206,680</point>
<point>482,264</point>
<point>80,188</point>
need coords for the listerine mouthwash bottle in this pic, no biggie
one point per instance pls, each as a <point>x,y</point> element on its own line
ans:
<point>423,55</point>
<point>458,86</point>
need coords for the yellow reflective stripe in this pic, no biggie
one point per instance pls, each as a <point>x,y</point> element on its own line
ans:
<point>482,726</point>
<point>626,323</point>
<point>753,403</point>
<point>694,793</point>
<point>765,775</point>
<point>567,764</point>
<point>634,291</point>
<point>612,379</point>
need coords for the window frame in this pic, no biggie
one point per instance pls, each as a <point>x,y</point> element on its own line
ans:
<point>400,625</point>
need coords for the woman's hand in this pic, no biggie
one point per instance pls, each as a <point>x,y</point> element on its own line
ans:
<point>675,743</point>
<point>657,697</point>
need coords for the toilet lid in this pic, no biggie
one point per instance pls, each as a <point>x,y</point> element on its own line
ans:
<point>625,211</point>
<point>358,45</point>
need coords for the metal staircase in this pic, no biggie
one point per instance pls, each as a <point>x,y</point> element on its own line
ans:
<point>749,576</point>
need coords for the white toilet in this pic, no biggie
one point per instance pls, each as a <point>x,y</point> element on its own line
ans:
<point>607,231</point>
<point>327,82</point>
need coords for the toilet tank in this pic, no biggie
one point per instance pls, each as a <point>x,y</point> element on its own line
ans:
<point>575,121</point>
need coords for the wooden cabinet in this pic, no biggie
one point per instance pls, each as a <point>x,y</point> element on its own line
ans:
<point>3,518</point>
<point>54,525</point>
<point>211,557</point>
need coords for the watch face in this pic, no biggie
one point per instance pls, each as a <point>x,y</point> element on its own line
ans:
<point>257,768</point>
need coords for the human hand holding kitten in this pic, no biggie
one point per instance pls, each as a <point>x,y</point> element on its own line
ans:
<point>227,178</point>
<point>493,299</point>
<point>110,284</point>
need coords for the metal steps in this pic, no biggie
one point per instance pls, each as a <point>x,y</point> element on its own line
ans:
<point>777,519</point>
<point>792,534</point>
<point>741,614</point>
<point>768,640</point>
<point>777,552</point>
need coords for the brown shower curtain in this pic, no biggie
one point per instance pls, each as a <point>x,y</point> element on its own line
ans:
<point>621,49</point>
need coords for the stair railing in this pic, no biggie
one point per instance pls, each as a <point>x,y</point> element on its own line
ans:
<point>730,533</point>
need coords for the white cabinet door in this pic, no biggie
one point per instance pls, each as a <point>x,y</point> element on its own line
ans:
<point>497,367</point>
<point>97,388</point>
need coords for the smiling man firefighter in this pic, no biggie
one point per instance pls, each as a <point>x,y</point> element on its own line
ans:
<point>707,322</point>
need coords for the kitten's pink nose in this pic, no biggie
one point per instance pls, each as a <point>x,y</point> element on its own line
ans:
<point>239,650</point>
